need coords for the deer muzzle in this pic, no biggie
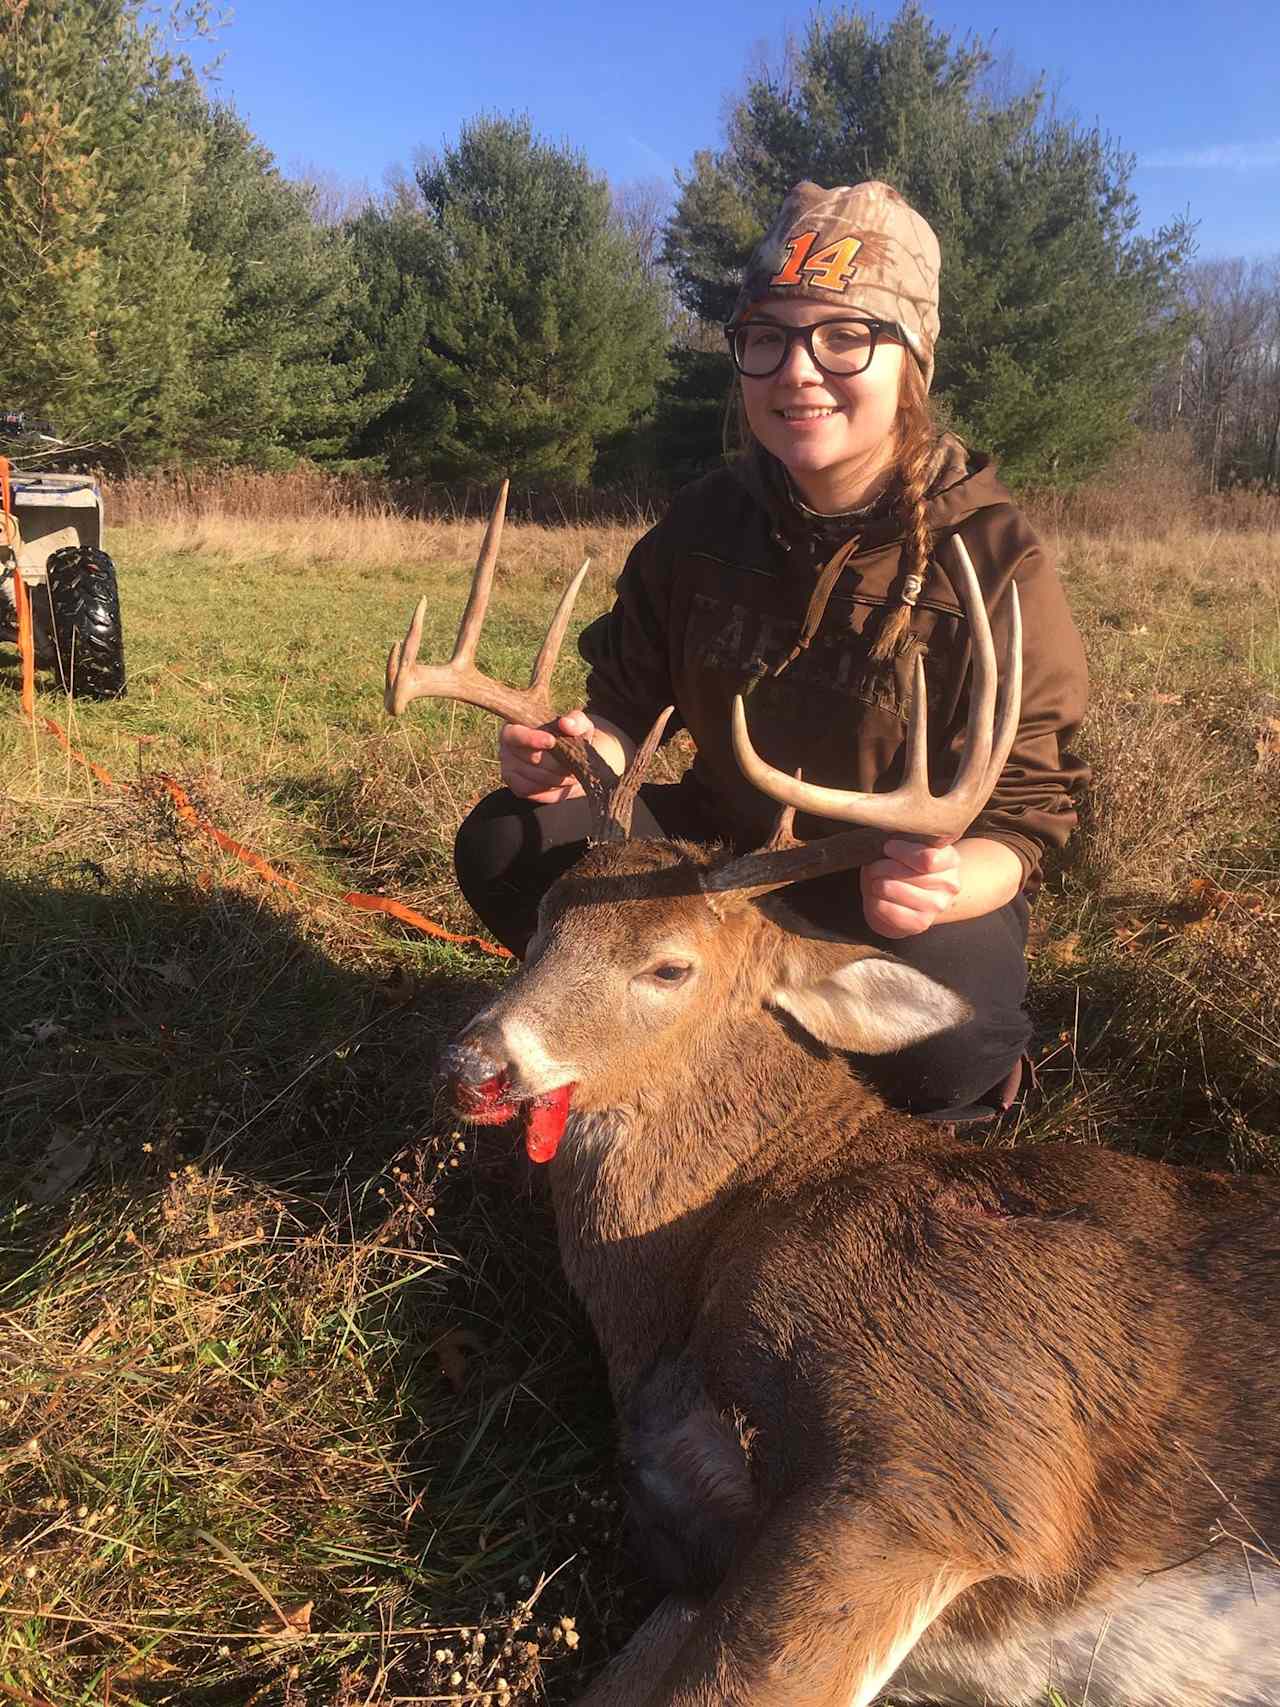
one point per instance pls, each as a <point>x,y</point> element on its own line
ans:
<point>482,1094</point>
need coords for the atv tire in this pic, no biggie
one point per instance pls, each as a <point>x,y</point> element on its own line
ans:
<point>84,613</point>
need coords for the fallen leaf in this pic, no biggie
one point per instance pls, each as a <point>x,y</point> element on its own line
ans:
<point>1128,932</point>
<point>297,1621</point>
<point>1205,896</point>
<point>453,1349</point>
<point>145,1670</point>
<point>1209,901</point>
<point>67,1157</point>
<point>1065,950</point>
<point>1267,746</point>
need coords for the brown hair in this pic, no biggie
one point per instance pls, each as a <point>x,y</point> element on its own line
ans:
<point>916,432</point>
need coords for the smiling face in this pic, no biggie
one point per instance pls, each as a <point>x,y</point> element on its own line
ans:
<point>834,434</point>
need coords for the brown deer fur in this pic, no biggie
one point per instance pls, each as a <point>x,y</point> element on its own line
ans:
<point>980,1421</point>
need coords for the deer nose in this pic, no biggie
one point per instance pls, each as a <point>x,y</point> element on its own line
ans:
<point>470,1061</point>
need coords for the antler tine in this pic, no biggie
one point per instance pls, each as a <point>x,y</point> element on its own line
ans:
<point>464,649</point>
<point>911,808</point>
<point>404,654</point>
<point>916,760</point>
<point>617,824</point>
<point>545,663</point>
<point>995,698</point>
<point>783,834</point>
<point>975,760</point>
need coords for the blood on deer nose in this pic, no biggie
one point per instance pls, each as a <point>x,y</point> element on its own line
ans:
<point>479,1086</point>
<point>467,1060</point>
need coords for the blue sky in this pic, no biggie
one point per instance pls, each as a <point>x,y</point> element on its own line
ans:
<point>1192,90</point>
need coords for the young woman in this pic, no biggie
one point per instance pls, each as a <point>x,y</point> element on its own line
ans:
<point>809,569</point>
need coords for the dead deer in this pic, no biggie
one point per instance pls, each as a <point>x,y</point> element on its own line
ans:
<point>897,1414</point>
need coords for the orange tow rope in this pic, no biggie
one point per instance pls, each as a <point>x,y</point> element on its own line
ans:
<point>411,916</point>
<point>196,820</point>
<point>22,599</point>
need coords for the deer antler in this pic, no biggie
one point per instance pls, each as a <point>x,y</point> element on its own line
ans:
<point>459,679</point>
<point>909,809</point>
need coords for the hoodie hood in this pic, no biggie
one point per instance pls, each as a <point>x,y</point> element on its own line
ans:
<point>963,482</point>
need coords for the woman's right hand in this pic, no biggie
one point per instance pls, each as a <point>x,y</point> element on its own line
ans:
<point>531,767</point>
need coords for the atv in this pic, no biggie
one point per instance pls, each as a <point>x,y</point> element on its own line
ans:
<point>52,538</point>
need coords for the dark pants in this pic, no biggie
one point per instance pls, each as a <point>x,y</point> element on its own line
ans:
<point>509,852</point>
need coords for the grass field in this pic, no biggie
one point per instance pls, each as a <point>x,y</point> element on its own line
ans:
<point>296,1407</point>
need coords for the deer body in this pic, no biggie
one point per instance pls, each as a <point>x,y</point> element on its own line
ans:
<point>1032,1391</point>
<point>896,1414</point>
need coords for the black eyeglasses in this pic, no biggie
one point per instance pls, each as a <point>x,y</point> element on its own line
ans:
<point>843,347</point>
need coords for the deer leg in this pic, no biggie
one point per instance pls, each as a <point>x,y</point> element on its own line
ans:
<point>821,1611</point>
<point>630,1679</point>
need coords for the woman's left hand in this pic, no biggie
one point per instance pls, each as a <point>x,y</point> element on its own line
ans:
<point>912,887</point>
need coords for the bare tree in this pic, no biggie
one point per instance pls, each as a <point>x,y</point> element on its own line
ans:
<point>334,199</point>
<point>642,208</point>
<point>1226,387</point>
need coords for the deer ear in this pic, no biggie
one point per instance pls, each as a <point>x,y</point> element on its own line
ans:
<point>870,1005</point>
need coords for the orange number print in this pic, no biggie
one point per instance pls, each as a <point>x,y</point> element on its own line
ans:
<point>830,269</point>
<point>797,249</point>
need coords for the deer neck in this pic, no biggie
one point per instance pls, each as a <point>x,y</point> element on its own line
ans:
<point>644,1184</point>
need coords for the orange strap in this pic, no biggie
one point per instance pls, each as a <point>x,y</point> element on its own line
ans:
<point>104,776</point>
<point>195,820</point>
<point>411,916</point>
<point>21,597</point>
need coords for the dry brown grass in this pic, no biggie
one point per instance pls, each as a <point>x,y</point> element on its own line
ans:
<point>382,540</point>
<point>308,493</point>
<point>255,1320</point>
<point>1152,487</point>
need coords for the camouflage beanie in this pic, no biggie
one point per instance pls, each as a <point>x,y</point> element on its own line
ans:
<point>854,247</point>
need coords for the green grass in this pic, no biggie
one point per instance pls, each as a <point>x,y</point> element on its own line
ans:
<point>272,1333</point>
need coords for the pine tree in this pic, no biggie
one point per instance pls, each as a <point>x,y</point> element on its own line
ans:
<point>277,370</point>
<point>101,293</point>
<point>400,259</point>
<point>540,335</point>
<point>1054,315</point>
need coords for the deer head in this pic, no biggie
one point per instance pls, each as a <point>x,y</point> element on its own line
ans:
<point>649,954</point>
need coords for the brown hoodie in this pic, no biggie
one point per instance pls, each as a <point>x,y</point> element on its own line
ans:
<point>716,594</point>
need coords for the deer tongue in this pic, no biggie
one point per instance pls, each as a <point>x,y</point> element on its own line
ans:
<point>544,1122</point>
<point>542,1118</point>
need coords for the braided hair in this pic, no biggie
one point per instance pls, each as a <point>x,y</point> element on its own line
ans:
<point>915,466</point>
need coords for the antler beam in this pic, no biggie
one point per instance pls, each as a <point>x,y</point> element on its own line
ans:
<point>995,702</point>
<point>460,680</point>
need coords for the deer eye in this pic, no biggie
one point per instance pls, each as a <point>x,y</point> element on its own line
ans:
<point>671,972</point>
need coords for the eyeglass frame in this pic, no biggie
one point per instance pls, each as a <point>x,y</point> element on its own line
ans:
<point>804,334</point>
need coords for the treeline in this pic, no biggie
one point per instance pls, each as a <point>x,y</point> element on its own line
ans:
<point>1224,386</point>
<point>169,297</point>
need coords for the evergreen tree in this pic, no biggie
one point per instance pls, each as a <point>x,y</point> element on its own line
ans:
<point>101,293</point>
<point>400,258</point>
<point>540,335</point>
<point>1054,315</point>
<point>278,368</point>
